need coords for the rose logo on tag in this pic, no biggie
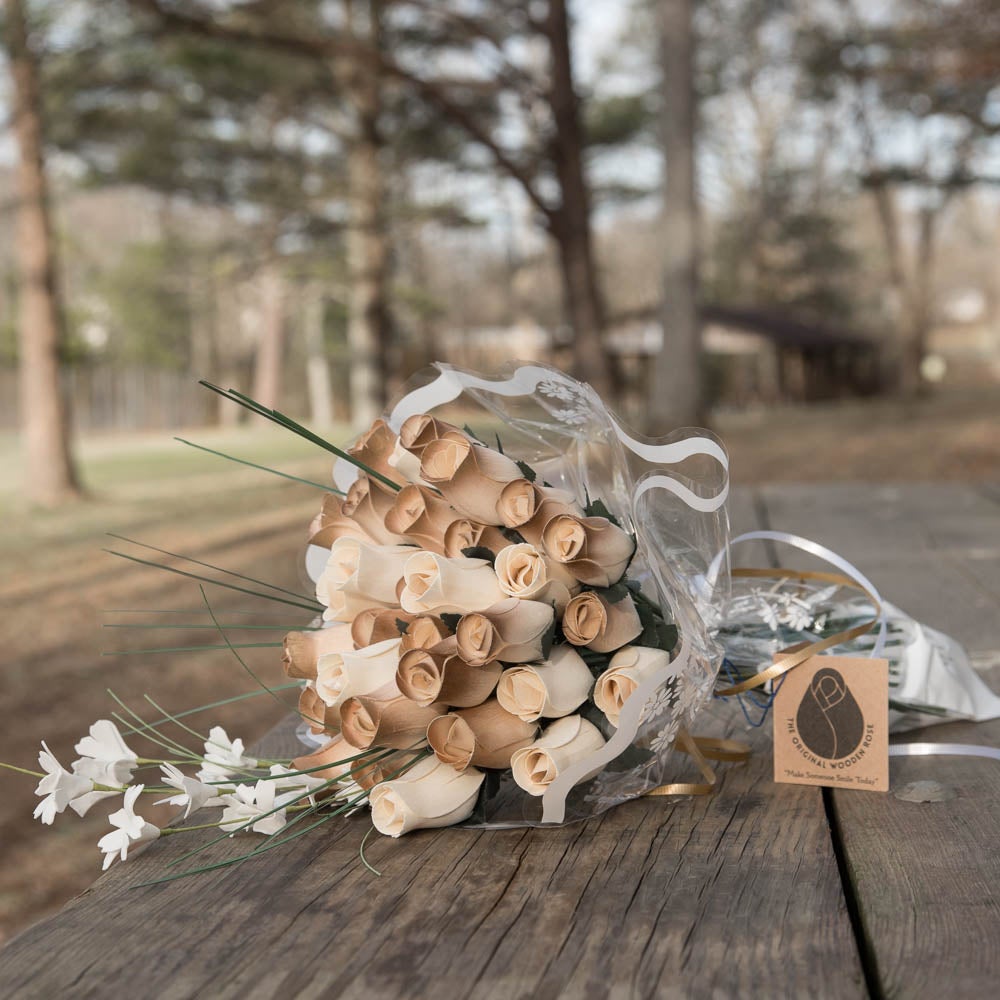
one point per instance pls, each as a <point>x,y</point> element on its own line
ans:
<point>829,719</point>
<point>831,723</point>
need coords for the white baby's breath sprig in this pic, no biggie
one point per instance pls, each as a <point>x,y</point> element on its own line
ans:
<point>249,802</point>
<point>223,756</point>
<point>58,788</point>
<point>130,830</point>
<point>105,758</point>
<point>193,794</point>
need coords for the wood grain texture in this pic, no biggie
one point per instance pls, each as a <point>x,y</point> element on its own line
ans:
<point>734,895</point>
<point>927,874</point>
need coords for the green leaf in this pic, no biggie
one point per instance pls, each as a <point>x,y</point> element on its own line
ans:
<point>597,508</point>
<point>615,594</point>
<point>527,471</point>
<point>451,620</point>
<point>549,639</point>
<point>472,434</point>
<point>479,552</point>
<point>513,536</point>
<point>499,445</point>
<point>402,626</point>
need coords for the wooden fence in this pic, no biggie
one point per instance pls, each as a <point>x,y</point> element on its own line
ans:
<point>105,398</point>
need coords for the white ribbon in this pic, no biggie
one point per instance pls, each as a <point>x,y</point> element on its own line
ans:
<point>814,549</point>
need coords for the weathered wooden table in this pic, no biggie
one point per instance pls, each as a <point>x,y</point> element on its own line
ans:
<point>762,890</point>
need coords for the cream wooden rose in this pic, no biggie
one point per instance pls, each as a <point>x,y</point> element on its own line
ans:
<point>431,794</point>
<point>436,583</point>
<point>524,572</point>
<point>344,675</point>
<point>484,736</point>
<point>367,502</point>
<point>465,534</point>
<point>375,447</point>
<point>593,549</point>
<point>420,516</point>
<point>512,631</point>
<point>360,576</point>
<point>302,650</point>
<point>470,476</point>
<point>547,690</point>
<point>591,620</point>
<point>528,507</point>
<point>332,523</point>
<point>563,743</point>
<point>626,671</point>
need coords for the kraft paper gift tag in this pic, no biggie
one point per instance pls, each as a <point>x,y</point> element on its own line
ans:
<point>831,724</point>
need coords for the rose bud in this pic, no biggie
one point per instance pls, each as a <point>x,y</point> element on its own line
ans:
<point>511,630</point>
<point>316,713</point>
<point>378,624</point>
<point>470,476</point>
<point>436,583</point>
<point>421,517</point>
<point>340,676</point>
<point>465,534</point>
<point>420,430</point>
<point>484,736</point>
<point>593,549</point>
<point>386,718</point>
<point>405,464</point>
<point>591,620</point>
<point>424,632</point>
<point>527,507</point>
<point>360,576</point>
<point>367,502</point>
<point>303,649</point>
<point>629,667</point>
<point>523,572</point>
<point>374,449</point>
<point>550,689</point>
<point>332,523</point>
<point>429,795</point>
<point>336,759</point>
<point>561,745</point>
<point>439,674</point>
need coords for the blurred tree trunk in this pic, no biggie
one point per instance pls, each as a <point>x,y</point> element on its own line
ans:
<point>570,223</point>
<point>317,367</point>
<point>51,475</point>
<point>676,393</point>
<point>269,361</point>
<point>367,238</point>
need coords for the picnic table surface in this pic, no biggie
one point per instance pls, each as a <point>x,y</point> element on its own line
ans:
<point>763,889</point>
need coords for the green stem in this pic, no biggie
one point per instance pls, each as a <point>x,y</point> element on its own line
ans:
<point>21,770</point>
<point>263,468</point>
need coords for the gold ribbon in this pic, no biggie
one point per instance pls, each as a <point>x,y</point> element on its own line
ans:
<point>791,657</point>
<point>705,748</point>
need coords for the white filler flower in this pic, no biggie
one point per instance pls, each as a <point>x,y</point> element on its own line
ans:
<point>193,794</point>
<point>131,830</point>
<point>104,756</point>
<point>249,803</point>
<point>59,787</point>
<point>223,756</point>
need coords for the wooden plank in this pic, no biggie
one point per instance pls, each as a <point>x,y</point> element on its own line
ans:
<point>734,895</point>
<point>923,875</point>
<point>927,874</point>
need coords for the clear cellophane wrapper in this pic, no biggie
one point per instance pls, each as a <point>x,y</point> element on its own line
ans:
<point>670,492</point>
<point>930,677</point>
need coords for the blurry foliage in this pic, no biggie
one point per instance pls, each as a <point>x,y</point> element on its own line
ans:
<point>148,306</point>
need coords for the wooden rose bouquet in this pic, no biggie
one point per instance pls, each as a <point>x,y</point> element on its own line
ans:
<point>506,634</point>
